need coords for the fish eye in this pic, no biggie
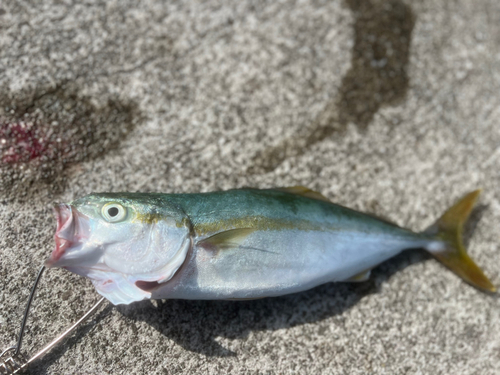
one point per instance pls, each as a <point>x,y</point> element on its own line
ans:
<point>113,212</point>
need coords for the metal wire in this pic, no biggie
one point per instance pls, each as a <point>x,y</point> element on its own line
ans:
<point>16,362</point>
<point>27,310</point>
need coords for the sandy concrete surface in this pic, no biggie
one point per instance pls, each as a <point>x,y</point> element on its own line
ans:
<point>390,107</point>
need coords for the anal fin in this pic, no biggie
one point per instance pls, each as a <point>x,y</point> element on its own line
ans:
<point>362,276</point>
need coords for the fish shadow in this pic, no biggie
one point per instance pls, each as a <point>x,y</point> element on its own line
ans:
<point>195,325</point>
<point>475,217</point>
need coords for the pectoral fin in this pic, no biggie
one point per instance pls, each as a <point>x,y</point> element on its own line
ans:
<point>362,276</point>
<point>305,192</point>
<point>228,239</point>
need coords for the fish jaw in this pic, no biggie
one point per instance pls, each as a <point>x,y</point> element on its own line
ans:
<point>73,229</point>
<point>121,288</point>
<point>114,286</point>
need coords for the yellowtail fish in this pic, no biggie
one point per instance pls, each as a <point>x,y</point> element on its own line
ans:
<point>238,244</point>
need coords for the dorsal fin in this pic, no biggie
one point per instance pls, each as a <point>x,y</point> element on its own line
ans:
<point>305,192</point>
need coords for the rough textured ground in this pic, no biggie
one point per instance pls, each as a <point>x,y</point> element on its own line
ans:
<point>390,107</point>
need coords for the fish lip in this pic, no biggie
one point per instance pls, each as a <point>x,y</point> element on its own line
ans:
<point>64,216</point>
<point>62,245</point>
<point>69,231</point>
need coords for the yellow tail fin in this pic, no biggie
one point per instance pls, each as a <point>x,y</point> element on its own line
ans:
<point>454,256</point>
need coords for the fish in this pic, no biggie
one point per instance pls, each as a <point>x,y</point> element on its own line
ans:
<point>239,244</point>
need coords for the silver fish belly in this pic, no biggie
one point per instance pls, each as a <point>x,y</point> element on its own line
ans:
<point>273,263</point>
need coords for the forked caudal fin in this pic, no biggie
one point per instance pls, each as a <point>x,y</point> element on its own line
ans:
<point>454,256</point>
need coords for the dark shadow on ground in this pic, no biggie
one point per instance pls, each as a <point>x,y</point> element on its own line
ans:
<point>378,76</point>
<point>236,319</point>
<point>475,217</point>
<point>45,130</point>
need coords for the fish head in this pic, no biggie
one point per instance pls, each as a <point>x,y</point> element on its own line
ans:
<point>127,244</point>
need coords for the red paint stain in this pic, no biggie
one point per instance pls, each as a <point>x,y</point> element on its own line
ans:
<point>22,142</point>
<point>44,132</point>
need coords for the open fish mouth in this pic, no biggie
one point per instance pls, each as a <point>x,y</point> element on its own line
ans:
<point>72,229</point>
